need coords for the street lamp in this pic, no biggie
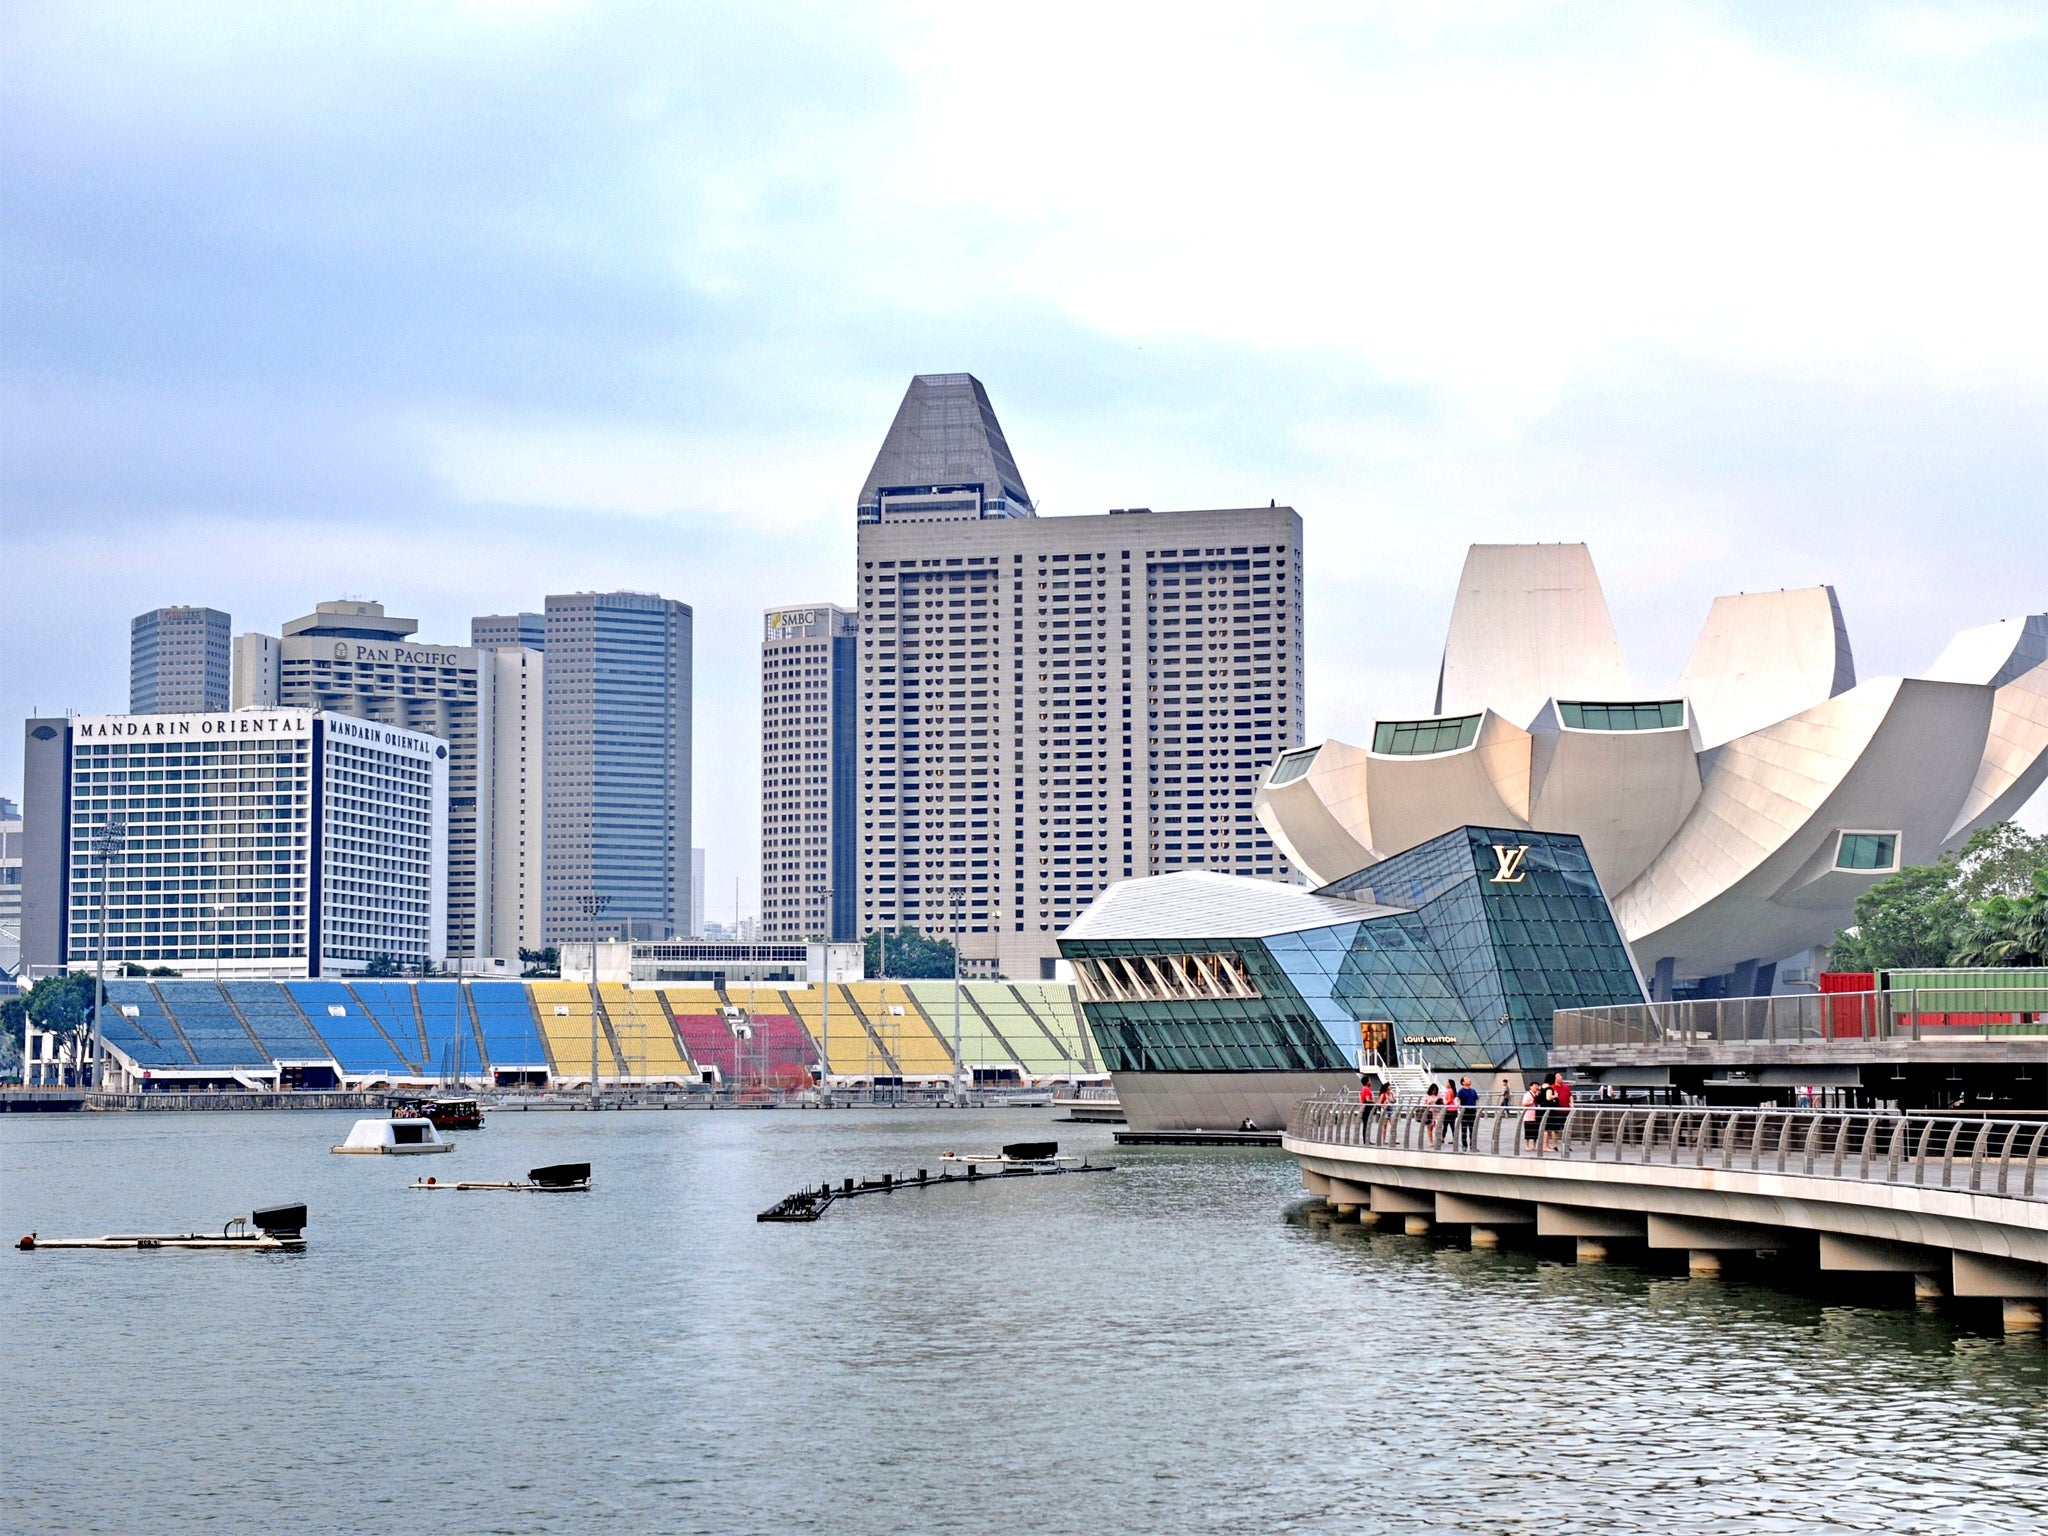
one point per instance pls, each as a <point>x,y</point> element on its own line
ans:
<point>593,907</point>
<point>825,1010</point>
<point>113,835</point>
<point>956,909</point>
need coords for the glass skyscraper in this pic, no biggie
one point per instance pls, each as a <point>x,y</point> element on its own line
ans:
<point>616,790</point>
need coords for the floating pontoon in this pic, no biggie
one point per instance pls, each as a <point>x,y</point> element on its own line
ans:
<point>401,1138</point>
<point>555,1179</point>
<point>274,1230</point>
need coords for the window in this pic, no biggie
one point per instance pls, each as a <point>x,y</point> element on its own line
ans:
<point>1661,716</point>
<point>1293,765</point>
<point>1867,850</point>
<point>1417,738</point>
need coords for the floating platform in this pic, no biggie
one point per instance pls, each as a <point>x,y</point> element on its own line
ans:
<point>555,1179</point>
<point>277,1229</point>
<point>1020,1160</point>
<point>1197,1138</point>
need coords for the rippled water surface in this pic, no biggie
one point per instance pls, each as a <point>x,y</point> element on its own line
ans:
<point>1160,1349</point>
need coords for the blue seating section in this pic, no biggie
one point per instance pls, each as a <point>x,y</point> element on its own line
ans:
<point>442,1015</point>
<point>511,1043</point>
<point>147,1039</point>
<point>390,1004</point>
<point>268,1010</point>
<point>209,1023</point>
<point>339,1019</point>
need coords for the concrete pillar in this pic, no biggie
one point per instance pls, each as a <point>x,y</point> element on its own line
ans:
<point>1475,1212</point>
<point>1416,1226</point>
<point>1662,978</point>
<point>2021,1316</point>
<point>1589,1250</point>
<point>1345,1212</point>
<point>1315,1183</point>
<point>1368,1218</point>
<point>1586,1221</point>
<point>1928,1288</point>
<point>1695,1234</point>
<point>1874,1256</point>
<point>1702,1261</point>
<point>1393,1200</point>
<point>2019,1286</point>
<point>1485,1237</point>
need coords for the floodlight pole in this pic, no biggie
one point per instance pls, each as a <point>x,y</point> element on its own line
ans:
<point>593,907</point>
<point>112,836</point>
<point>957,904</point>
<point>825,1010</point>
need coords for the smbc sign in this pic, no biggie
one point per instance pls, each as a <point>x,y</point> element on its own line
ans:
<point>796,624</point>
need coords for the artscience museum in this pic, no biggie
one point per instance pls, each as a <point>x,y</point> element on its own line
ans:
<point>1732,815</point>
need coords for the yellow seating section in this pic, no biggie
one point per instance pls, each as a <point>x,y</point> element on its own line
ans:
<point>853,1052</point>
<point>644,1033</point>
<point>564,1010</point>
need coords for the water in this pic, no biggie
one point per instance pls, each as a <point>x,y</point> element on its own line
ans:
<point>1154,1350</point>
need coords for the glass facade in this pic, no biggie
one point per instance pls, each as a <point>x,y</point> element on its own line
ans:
<point>1419,738</point>
<point>1661,716</point>
<point>1493,931</point>
<point>1867,850</point>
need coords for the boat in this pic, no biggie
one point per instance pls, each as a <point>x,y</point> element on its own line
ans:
<point>1018,1157</point>
<point>275,1229</point>
<point>555,1179</point>
<point>447,1114</point>
<point>400,1138</point>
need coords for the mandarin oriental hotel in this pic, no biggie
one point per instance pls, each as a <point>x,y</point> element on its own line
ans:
<point>262,842</point>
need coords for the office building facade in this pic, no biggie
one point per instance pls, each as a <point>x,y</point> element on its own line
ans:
<point>809,773</point>
<point>11,841</point>
<point>617,766</point>
<point>252,843</point>
<point>178,660</point>
<point>512,894</point>
<point>498,630</point>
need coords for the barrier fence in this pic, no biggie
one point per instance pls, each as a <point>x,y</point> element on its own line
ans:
<point>1933,1151</point>
<point>1916,1013</point>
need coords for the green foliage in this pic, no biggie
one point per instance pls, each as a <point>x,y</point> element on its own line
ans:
<point>1986,903</point>
<point>541,962</point>
<point>909,955</point>
<point>383,965</point>
<point>60,1003</point>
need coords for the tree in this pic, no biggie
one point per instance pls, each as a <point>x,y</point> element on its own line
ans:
<point>62,1004</point>
<point>540,962</point>
<point>382,965</point>
<point>910,956</point>
<point>1981,904</point>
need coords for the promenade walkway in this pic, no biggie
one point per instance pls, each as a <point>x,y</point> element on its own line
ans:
<point>1958,1202</point>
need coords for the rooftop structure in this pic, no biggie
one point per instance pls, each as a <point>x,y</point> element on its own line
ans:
<point>945,459</point>
<point>1734,817</point>
<point>178,661</point>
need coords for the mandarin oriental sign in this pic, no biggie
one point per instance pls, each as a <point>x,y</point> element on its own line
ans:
<point>178,727</point>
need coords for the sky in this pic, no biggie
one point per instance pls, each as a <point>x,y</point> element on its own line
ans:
<point>456,305</point>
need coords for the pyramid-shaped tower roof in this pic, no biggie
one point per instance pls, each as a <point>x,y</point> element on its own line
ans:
<point>946,434</point>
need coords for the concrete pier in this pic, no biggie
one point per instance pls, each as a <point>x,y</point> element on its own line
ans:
<point>1957,1206</point>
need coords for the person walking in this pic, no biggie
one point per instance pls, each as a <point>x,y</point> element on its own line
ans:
<point>1468,1113</point>
<point>1546,1112</point>
<point>1432,1118</point>
<point>1564,1105</point>
<point>1529,1112</point>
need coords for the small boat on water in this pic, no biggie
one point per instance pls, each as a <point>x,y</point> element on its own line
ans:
<point>446,1114</point>
<point>555,1179</point>
<point>276,1229</point>
<point>1019,1157</point>
<point>400,1138</point>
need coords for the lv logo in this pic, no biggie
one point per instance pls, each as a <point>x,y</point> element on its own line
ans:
<point>1510,860</point>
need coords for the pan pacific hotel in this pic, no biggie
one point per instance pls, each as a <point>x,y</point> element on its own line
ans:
<point>249,843</point>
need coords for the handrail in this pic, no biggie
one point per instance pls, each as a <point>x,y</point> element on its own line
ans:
<point>1964,1011</point>
<point>1864,1146</point>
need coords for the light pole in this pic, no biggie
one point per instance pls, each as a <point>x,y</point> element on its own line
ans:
<point>825,1010</point>
<point>113,834</point>
<point>593,908</point>
<point>956,909</point>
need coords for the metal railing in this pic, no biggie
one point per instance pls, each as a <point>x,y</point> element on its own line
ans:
<point>1998,1157</point>
<point>1915,1013</point>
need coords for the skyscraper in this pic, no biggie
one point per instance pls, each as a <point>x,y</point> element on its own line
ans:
<point>353,658</point>
<point>617,776</point>
<point>1049,704</point>
<point>502,629</point>
<point>178,660</point>
<point>809,773</point>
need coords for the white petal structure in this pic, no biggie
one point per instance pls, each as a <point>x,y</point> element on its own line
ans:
<point>1734,820</point>
<point>1530,622</point>
<point>1764,656</point>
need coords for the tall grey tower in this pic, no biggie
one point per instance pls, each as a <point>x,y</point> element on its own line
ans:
<point>178,661</point>
<point>617,776</point>
<point>1051,704</point>
<point>945,459</point>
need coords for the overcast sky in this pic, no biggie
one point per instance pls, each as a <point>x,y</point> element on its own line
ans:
<point>456,305</point>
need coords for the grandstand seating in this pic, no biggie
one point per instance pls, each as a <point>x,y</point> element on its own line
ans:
<point>338,1017</point>
<point>504,1015</point>
<point>898,1025</point>
<point>1058,1006</point>
<point>564,1009</point>
<point>1044,1046</point>
<point>210,1026</point>
<point>391,1004</point>
<point>980,1046</point>
<point>442,1016</point>
<point>146,1036</point>
<point>268,1009</point>
<point>645,1036</point>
